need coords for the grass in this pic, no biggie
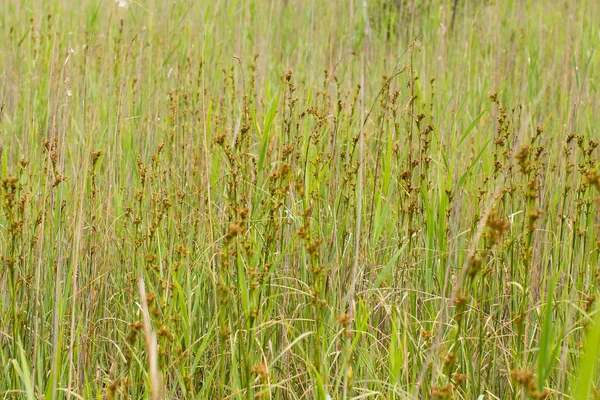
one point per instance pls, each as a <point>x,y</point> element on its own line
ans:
<point>297,200</point>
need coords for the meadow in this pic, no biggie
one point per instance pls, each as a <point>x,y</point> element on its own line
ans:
<point>284,199</point>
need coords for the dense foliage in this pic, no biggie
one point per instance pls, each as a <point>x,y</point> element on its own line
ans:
<point>299,199</point>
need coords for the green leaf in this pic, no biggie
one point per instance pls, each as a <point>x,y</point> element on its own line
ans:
<point>545,358</point>
<point>472,126</point>
<point>467,173</point>
<point>385,273</point>
<point>588,366</point>
<point>266,133</point>
<point>24,373</point>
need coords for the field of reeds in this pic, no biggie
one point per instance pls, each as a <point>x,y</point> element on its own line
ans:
<point>284,199</point>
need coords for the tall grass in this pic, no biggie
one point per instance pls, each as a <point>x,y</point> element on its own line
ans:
<point>288,200</point>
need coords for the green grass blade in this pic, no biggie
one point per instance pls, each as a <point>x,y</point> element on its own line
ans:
<point>586,373</point>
